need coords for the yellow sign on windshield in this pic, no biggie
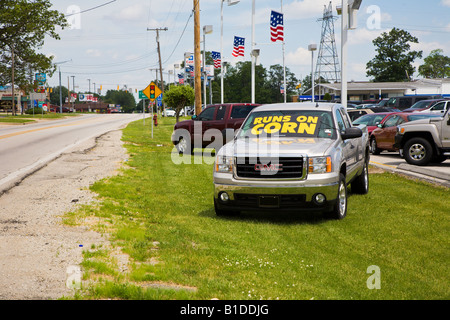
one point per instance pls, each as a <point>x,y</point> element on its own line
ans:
<point>306,125</point>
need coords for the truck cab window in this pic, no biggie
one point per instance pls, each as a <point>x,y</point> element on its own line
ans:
<point>340,121</point>
<point>221,112</point>
<point>207,114</point>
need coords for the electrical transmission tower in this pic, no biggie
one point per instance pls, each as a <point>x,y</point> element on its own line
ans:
<point>327,67</point>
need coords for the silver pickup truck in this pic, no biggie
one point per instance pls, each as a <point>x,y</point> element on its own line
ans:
<point>296,156</point>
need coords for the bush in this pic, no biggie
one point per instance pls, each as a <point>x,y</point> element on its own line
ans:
<point>35,110</point>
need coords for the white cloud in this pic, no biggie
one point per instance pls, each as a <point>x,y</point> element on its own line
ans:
<point>446,3</point>
<point>130,14</point>
<point>93,53</point>
<point>427,47</point>
<point>307,8</point>
<point>301,57</point>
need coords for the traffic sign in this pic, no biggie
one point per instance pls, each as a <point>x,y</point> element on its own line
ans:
<point>152,91</point>
<point>142,95</point>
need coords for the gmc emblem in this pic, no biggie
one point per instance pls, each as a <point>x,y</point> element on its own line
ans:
<point>274,167</point>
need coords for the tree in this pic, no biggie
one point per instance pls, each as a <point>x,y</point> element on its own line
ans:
<point>275,78</point>
<point>23,27</point>
<point>54,95</point>
<point>436,65</point>
<point>121,97</point>
<point>179,97</point>
<point>394,59</point>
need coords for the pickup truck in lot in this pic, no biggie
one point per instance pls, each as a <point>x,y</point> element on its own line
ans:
<point>193,133</point>
<point>296,156</point>
<point>425,141</point>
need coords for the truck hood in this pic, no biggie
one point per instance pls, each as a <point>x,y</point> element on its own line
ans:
<point>421,121</point>
<point>275,147</point>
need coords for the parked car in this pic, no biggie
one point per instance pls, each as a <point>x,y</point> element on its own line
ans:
<point>383,102</point>
<point>355,114</point>
<point>192,133</point>
<point>425,141</point>
<point>405,102</point>
<point>422,105</point>
<point>371,120</point>
<point>315,154</point>
<point>438,108</point>
<point>169,112</point>
<point>383,136</point>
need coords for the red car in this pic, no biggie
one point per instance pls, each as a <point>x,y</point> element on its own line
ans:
<point>371,120</point>
<point>383,136</point>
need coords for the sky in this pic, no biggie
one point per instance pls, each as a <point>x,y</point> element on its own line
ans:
<point>108,43</point>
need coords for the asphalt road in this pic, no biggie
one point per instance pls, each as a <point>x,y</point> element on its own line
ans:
<point>26,148</point>
<point>391,161</point>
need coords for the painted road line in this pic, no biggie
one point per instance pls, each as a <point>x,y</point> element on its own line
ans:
<point>383,165</point>
<point>44,128</point>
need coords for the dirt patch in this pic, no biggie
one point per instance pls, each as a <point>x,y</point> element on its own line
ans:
<point>36,249</point>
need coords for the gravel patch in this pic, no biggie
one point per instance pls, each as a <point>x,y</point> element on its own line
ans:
<point>37,252</point>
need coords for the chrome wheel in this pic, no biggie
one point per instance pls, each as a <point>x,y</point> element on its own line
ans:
<point>417,151</point>
<point>342,199</point>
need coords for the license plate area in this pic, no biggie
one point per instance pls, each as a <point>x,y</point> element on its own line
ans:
<point>269,201</point>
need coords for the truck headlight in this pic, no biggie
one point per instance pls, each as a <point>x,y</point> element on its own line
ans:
<point>400,130</point>
<point>224,164</point>
<point>319,164</point>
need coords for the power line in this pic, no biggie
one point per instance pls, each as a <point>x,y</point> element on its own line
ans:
<point>99,6</point>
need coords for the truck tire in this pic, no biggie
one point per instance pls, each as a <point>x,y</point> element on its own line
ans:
<point>340,208</point>
<point>184,145</point>
<point>418,151</point>
<point>361,184</point>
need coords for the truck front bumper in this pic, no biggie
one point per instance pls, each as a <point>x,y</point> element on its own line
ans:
<point>284,197</point>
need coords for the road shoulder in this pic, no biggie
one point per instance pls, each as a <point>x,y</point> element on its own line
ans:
<point>36,249</point>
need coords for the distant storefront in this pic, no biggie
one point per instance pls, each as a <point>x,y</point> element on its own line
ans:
<point>364,90</point>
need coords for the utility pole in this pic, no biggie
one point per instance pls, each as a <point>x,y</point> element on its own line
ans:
<point>197,75</point>
<point>13,100</point>
<point>73,84</point>
<point>159,54</point>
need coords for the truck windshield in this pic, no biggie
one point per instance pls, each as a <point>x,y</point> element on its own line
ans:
<point>289,123</point>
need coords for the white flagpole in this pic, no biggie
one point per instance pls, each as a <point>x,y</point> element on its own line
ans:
<point>284,66</point>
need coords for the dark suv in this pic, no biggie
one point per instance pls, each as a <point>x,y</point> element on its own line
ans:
<point>193,133</point>
<point>406,102</point>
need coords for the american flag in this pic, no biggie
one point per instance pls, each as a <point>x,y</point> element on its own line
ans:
<point>238,46</point>
<point>180,78</point>
<point>216,58</point>
<point>276,26</point>
<point>191,70</point>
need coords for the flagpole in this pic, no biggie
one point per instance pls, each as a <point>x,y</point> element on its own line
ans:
<point>252,56</point>
<point>284,66</point>
<point>221,51</point>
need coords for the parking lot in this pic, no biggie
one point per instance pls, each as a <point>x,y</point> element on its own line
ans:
<point>391,161</point>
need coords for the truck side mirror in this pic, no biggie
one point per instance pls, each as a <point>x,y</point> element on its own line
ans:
<point>351,133</point>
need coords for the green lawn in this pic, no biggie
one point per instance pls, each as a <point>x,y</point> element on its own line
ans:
<point>161,215</point>
<point>24,118</point>
<point>10,119</point>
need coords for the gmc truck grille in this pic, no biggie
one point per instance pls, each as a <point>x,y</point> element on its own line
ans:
<point>270,168</point>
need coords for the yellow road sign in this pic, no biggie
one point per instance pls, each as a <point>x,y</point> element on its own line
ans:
<point>152,91</point>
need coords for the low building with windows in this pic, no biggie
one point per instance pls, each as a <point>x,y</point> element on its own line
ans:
<point>365,90</point>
